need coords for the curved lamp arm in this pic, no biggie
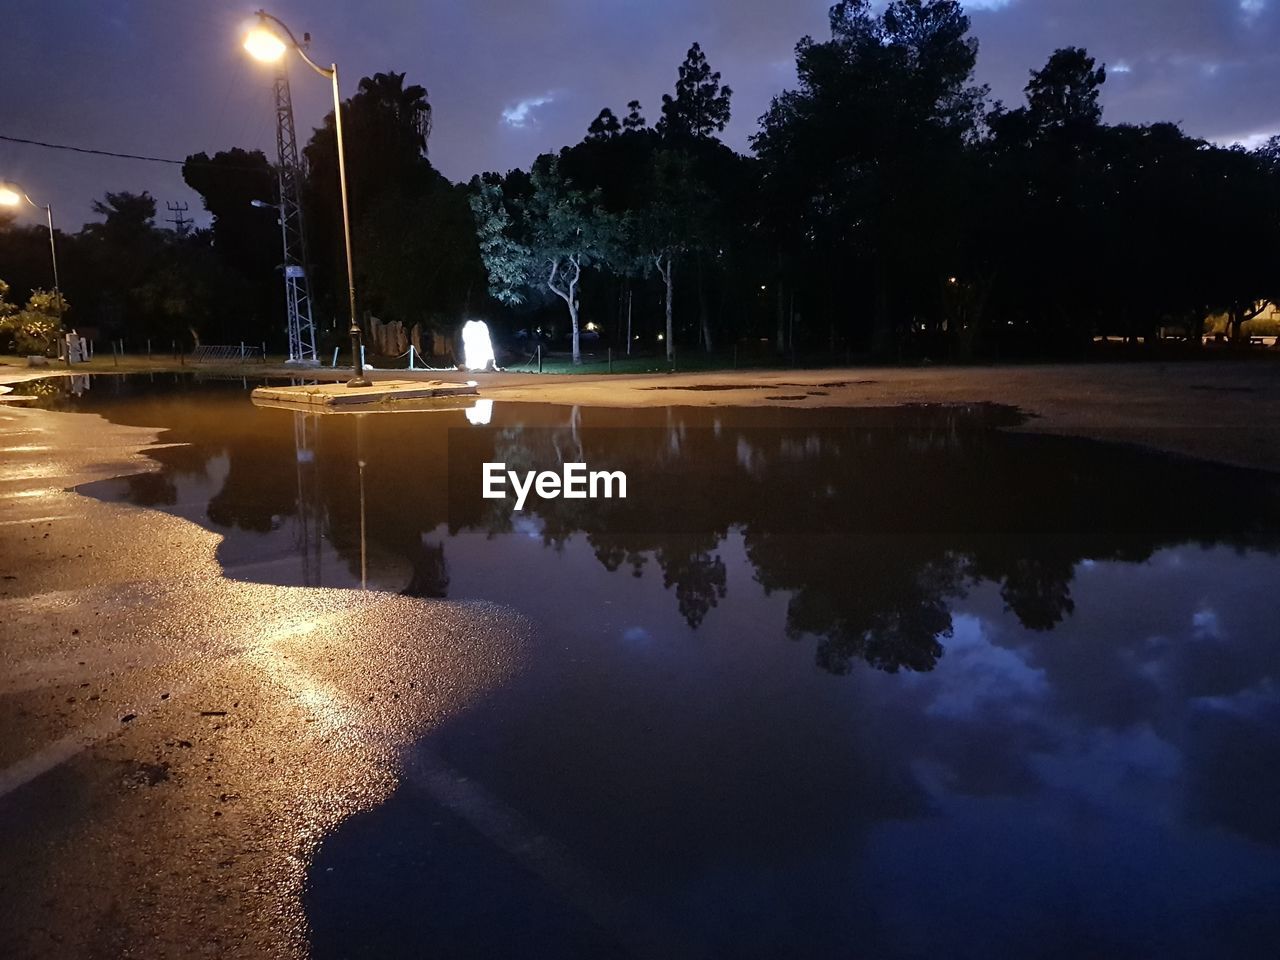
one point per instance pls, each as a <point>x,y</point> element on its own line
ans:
<point>326,72</point>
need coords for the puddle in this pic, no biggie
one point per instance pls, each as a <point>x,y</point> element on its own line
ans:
<point>881,682</point>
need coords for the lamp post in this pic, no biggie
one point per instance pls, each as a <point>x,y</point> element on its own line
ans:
<point>264,42</point>
<point>12,195</point>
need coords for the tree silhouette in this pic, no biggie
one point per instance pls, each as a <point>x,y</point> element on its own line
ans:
<point>700,107</point>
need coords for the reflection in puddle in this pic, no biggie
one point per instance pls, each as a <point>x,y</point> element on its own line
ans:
<point>895,682</point>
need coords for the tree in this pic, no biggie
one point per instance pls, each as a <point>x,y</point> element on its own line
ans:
<point>246,238</point>
<point>605,125</point>
<point>862,161</point>
<point>387,126</point>
<point>634,120</point>
<point>128,218</point>
<point>669,224</point>
<point>700,107</point>
<point>557,232</point>
<point>421,261</point>
<point>35,328</point>
<point>120,253</point>
<point>1064,92</point>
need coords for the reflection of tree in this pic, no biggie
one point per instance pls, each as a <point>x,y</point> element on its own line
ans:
<point>872,521</point>
<point>1038,591</point>
<point>430,573</point>
<point>151,489</point>
<point>244,500</point>
<point>697,575</point>
<point>878,599</point>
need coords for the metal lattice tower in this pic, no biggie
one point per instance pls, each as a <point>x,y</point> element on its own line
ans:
<point>297,292</point>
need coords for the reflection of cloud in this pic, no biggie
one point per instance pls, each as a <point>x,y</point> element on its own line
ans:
<point>1256,701</point>
<point>1205,626</point>
<point>636,635</point>
<point>975,674</point>
<point>528,526</point>
<point>519,115</point>
<point>1110,767</point>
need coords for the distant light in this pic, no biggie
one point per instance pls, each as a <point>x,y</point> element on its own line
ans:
<point>264,45</point>
<point>660,336</point>
<point>592,326</point>
<point>9,197</point>
<point>951,280</point>
<point>481,413</point>
<point>477,347</point>
<point>762,286</point>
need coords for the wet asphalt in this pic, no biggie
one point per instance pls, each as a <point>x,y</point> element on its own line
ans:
<point>174,745</point>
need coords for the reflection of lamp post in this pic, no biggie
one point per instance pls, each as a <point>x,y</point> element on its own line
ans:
<point>264,42</point>
<point>11,196</point>
<point>360,462</point>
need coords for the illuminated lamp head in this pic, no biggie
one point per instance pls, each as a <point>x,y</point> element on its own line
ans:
<point>264,44</point>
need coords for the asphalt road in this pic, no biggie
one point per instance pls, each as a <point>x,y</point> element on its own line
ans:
<point>173,745</point>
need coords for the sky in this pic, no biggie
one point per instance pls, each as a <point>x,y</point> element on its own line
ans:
<point>509,79</point>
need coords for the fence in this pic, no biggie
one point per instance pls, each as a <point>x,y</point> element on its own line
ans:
<point>215,354</point>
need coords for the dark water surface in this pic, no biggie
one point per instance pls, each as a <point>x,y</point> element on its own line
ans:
<point>836,683</point>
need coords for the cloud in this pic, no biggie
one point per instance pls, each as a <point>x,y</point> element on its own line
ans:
<point>520,115</point>
<point>174,80</point>
<point>1201,63</point>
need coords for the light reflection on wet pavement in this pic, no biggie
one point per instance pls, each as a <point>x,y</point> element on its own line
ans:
<point>894,682</point>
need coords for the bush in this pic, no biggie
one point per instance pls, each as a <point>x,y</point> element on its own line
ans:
<point>35,329</point>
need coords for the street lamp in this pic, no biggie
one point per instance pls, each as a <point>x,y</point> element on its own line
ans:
<point>268,41</point>
<point>12,195</point>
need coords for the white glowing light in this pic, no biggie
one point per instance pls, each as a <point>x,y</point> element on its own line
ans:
<point>481,413</point>
<point>264,45</point>
<point>477,347</point>
<point>9,197</point>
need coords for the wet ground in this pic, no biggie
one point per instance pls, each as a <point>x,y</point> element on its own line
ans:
<point>892,683</point>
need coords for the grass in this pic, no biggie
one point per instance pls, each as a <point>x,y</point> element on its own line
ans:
<point>130,363</point>
<point>594,364</point>
<point>691,361</point>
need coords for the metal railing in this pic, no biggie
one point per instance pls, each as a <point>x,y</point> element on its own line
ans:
<point>214,354</point>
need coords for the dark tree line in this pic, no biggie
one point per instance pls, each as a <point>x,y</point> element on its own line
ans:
<point>887,206</point>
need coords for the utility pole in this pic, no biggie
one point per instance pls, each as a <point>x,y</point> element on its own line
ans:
<point>297,291</point>
<point>181,222</point>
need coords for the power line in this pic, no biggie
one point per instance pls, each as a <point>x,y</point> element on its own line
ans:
<point>121,156</point>
<point>100,153</point>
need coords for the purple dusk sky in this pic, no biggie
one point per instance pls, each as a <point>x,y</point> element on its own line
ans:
<point>510,79</point>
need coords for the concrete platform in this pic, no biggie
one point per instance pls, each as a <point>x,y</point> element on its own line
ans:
<point>380,392</point>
